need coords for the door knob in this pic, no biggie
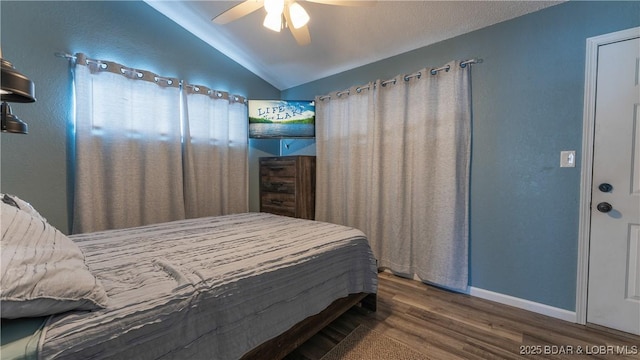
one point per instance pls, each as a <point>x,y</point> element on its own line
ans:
<point>604,207</point>
<point>604,187</point>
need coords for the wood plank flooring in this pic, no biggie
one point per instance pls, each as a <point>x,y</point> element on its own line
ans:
<point>446,325</point>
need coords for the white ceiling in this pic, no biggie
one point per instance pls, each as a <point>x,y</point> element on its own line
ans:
<point>342,38</point>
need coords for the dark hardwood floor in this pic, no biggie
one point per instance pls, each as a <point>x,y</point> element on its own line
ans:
<point>446,325</point>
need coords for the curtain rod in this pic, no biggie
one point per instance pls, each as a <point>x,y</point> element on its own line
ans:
<point>433,71</point>
<point>192,89</point>
<point>470,62</point>
<point>418,74</point>
<point>65,56</point>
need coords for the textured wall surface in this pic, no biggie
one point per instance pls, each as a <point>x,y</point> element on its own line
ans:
<point>527,103</point>
<point>36,166</point>
<point>527,107</point>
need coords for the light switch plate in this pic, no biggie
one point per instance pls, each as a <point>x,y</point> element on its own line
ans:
<point>568,158</point>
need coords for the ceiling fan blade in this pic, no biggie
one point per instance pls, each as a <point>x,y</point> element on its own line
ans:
<point>238,11</point>
<point>301,34</point>
<point>345,2</point>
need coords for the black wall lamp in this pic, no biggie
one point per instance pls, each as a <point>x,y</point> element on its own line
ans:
<point>15,87</point>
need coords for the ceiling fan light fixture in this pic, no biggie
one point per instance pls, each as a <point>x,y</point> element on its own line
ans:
<point>299,17</point>
<point>274,6</point>
<point>273,21</point>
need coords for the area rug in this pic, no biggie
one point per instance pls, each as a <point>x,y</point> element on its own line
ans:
<point>364,343</point>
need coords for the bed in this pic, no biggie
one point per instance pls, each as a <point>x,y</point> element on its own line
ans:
<point>251,285</point>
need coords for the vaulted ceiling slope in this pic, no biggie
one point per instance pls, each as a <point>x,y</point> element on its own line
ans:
<point>342,37</point>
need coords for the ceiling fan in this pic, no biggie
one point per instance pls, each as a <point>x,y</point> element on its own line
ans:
<point>281,14</point>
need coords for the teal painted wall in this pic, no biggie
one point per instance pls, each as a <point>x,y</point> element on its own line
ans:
<point>35,166</point>
<point>527,107</point>
<point>527,103</point>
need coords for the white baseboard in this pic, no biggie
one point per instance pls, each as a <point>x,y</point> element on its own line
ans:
<point>543,309</point>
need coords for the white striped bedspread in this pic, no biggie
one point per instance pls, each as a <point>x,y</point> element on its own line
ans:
<point>209,288</point>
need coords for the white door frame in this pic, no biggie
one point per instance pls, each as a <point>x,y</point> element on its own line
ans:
<point>588,128</point>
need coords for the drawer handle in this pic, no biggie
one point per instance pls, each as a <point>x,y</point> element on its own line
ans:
<point>276,186</point>
<point>276,202</point>
<point>276,168</point>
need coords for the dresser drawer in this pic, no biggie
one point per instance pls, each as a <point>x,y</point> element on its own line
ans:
<point>278,203</point>
<point>278,185</point>
<point>278,168</point>
<point>287,186</point>
<point>285,211</point>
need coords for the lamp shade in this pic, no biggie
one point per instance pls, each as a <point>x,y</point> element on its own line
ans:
<point>274,6</point>
<point>273,21</point>
<point>299,16</point>
<point>15,87</point>
<point>10,122</point>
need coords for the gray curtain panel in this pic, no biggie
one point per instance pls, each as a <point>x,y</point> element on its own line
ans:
<point>128,158</point>
<point>216,159</point>
<point>393,160</point>
<point>147,152</point>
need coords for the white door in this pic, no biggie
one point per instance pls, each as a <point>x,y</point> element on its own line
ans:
<point>614,254</point>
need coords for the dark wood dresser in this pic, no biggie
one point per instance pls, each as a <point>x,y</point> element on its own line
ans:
<point>288,186</point>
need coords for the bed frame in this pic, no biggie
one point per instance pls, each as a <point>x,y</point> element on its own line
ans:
<point>280,346</point>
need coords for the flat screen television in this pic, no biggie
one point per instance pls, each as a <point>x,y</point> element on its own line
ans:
<point>279,119</point>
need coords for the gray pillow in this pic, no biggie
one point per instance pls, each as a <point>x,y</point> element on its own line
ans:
<point>15,201</point>
<point>43,271</point>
